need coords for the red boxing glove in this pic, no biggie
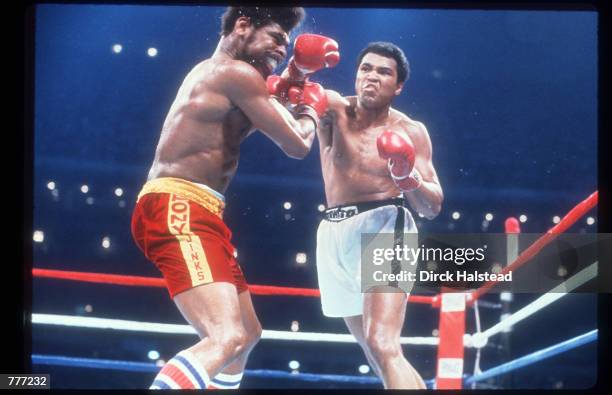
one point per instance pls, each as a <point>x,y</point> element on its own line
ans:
<point>400,152</point>
<point>313,95</point>
<point>283,90</point>
<point>277,87</point>
<point>295,93</point>
<point>312,52</point>
<point>311,99</point>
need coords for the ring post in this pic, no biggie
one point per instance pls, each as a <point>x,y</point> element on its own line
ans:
<point>449,373</point>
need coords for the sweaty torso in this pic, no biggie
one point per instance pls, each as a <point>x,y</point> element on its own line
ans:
<point>352,170</point>
<point>201,135</point>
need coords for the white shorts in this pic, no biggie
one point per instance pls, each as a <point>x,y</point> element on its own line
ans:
<point>339,257</point>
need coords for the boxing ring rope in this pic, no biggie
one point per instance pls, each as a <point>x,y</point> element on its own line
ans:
<point>178,329</point>
<point>147,367</point>
<point>568,220</point>
<point>139,281</point>
<point>449,374</point>
<point>477,340</point>
<point>535,357</point>
<point>526,360</point>
<point>451,341</point>
<point>553,295</point>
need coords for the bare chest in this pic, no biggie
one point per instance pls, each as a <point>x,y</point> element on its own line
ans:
<point>236,125</point>
<point>354,147</point>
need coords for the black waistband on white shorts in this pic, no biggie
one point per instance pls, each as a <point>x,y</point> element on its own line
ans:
<point>345,211</point>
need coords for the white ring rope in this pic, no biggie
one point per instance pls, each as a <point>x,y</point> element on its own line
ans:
<point>554,294</point>
<point>478,339</point>
<point>138,326</point>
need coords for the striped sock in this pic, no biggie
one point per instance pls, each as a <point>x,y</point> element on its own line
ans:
<point>224,381</point>
<point>183,371</point>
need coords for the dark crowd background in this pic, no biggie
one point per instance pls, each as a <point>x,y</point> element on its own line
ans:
<point>510,102</point>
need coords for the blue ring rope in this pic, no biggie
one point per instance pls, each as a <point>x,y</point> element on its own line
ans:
<point>152,368</point>
<point>534,357</point>
<point>312,377</point>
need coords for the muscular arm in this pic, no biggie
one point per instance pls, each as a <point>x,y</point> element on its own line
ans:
<point>327,124</point>
<point>248,91</point>
<point>427,199</point>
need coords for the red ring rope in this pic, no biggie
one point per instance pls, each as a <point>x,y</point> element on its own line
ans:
<point>138,281</point>
<point>570,218</point>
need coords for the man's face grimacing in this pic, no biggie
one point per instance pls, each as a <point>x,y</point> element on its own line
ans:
<point>266,48</point>
<point>376,82</point>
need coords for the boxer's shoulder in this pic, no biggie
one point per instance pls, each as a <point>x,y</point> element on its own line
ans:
<point>336,100</point>
<point>406,123</point>
<point>402,123</point>
<point>226,73</point>
<point>241,70</point>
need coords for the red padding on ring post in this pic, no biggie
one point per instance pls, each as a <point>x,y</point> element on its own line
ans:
<point>512,225</point>
<point>449,373</point>
<point>421,299</point>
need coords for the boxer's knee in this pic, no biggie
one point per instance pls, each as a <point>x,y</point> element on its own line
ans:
<point>231,341</point>
<point>382,347</point>
<point>254,334</point>
<point>237,340</point>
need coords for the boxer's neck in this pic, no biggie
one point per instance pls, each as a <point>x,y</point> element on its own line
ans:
<point>372,116</point>
<point>228,46</point>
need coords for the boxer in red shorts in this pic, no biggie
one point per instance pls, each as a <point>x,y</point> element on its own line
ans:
<point>178,219</point>
<point>170,228</point>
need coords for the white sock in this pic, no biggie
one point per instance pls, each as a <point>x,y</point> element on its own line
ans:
<point>183,371</point>
<point>223,381</point>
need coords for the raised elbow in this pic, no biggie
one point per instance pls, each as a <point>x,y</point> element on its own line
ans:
<point>298,151</point>
<point>302,154</point>
<point>432,211</point>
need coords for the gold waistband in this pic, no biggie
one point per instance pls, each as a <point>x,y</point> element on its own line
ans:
<point>185,189</point>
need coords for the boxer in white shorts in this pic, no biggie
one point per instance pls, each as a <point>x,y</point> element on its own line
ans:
<point>339,251</point>
<point>376,162</point>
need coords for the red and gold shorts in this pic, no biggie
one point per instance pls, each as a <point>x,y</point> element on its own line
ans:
<point>179,227</point>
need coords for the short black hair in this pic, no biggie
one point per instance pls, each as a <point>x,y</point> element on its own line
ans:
<point>287,17</point>
<point>389,50</point>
